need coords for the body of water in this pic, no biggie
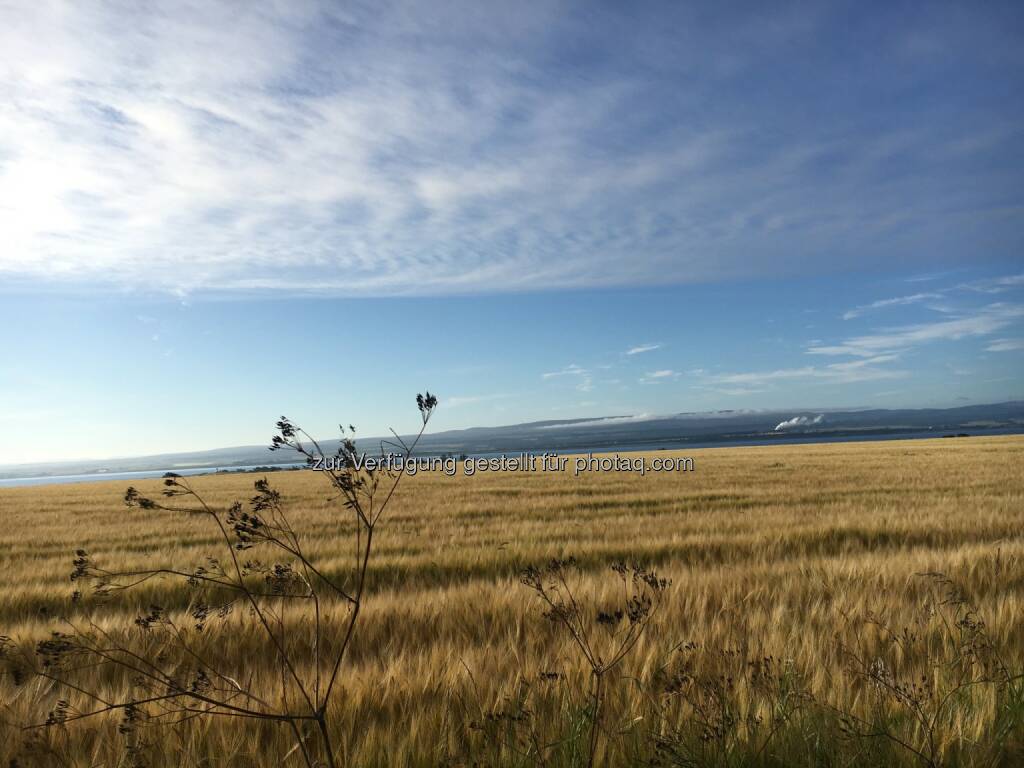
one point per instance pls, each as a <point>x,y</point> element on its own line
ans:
<point>625,447</point>
<point>755,440</point>
<point>145,474</point>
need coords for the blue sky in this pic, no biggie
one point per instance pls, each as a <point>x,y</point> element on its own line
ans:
<point>541,211</point>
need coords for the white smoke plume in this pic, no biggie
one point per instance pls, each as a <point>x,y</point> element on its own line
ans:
<point>799,421</point>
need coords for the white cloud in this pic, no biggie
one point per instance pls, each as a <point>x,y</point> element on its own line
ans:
<point>603,422</point>
<point>393,149</point>
<point>642,348</point>
<point>758,377</point>
<point>981,322</point>
<point>840,373</point>
<point>656,376</point>
<point>569,370</point>
<point>854,365</point>
<point>586,381</point>
<point>996,284</point>
<point>899,301</point>
<point>929,277</point>
<point>873,354</point>
<point>461,400</point>
<point>1005,345</point>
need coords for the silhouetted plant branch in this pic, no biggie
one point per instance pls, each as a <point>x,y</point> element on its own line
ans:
<point>603,635</point>
<point>721,705</point>
<point>914,677</point>
<point>171,677</point>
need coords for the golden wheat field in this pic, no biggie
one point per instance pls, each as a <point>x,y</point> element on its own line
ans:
<point>789,566</point>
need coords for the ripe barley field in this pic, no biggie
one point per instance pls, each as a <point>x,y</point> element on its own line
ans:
<point>799,628</point>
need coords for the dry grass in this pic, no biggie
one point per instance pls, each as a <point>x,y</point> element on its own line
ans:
<point>772,552</point>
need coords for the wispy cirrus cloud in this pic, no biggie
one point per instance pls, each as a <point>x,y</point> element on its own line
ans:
<point>1005,345</point>
<point>459,401</point>
<point>848,372</point>
<point>867,362</point>
<point>899,301</point>
<point>996,284</point>
<point>585,379</point>
<point>931,276</point>
<point>642,348</point>
<point>602,422</point>
<point>666,374</point>
<point>991,285</point>
<point>876,356</point>
<point>980,322</point>
<point>569,370</point>
<point>838,373</point>
<point>389,149</point>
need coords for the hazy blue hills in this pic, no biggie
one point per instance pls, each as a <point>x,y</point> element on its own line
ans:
<point>636,432</point>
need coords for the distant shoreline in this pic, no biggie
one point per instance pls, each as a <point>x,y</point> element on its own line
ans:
<point>725,441</point>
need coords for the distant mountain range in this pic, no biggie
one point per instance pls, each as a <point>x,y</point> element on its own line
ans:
<point>643,432</point>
